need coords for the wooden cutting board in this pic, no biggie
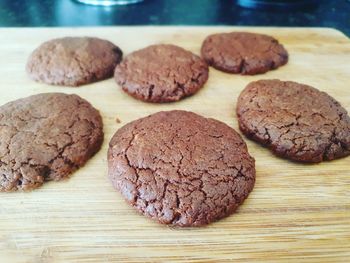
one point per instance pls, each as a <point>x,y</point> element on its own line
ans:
<point>296,212</point>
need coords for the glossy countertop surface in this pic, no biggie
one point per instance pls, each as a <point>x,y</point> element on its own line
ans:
<point>56,13</point>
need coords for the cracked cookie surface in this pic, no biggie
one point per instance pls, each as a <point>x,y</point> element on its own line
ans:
<point>180,168</point>
<point>161,73</point>
<point>73,61</point>
<point>46,137</point>
<point>243,52</point>
<point>295,121</point>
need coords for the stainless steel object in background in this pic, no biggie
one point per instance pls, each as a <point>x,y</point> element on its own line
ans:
<point>109,2</point>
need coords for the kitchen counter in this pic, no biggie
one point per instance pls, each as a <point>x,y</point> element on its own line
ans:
<point>55,13</point>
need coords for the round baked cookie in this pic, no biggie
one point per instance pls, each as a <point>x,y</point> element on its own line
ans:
<point>161,73</point>
<point>242,52</point>
<point>180,168</point>
<point>73,61</point>
<point>46,137</point>
<point>295,121</point>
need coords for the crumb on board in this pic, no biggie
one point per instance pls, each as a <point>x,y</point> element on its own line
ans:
<point>117,120</point>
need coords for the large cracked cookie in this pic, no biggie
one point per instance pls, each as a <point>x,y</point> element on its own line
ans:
<point>295,121</point>
<point>46,137</point>
<point>243,52</point>
<point>161,73</point>
<point>73,61</point>
<point>180,168</point>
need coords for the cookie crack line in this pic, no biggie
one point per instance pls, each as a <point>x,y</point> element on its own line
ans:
<point>276,114</point>
<point>161,73</point>
<point>43,146</point>
<point>73,61</point>
<point>243,52</point>
<point>162,172</point>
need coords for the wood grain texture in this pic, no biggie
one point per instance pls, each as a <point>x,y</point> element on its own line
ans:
<point>296,212</point>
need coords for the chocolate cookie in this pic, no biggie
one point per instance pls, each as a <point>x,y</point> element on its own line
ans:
<point>242,52</point>
<point>180,168</point>
<point>73,61</point>
<point>46,137</point>
<point>161,73</point>
<point>295,121</point>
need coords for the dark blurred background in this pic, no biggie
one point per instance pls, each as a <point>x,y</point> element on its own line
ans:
<point>43,13</point>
